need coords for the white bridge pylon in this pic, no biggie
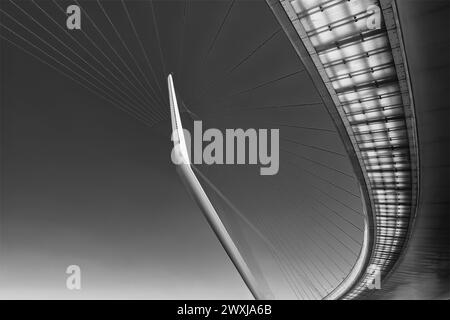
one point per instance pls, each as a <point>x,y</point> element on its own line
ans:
<point>194,187</point>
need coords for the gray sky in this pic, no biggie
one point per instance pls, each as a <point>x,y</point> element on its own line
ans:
<point>83,183</point>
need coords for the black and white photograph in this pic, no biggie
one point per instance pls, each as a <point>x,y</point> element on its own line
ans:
<point>224,154</point>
